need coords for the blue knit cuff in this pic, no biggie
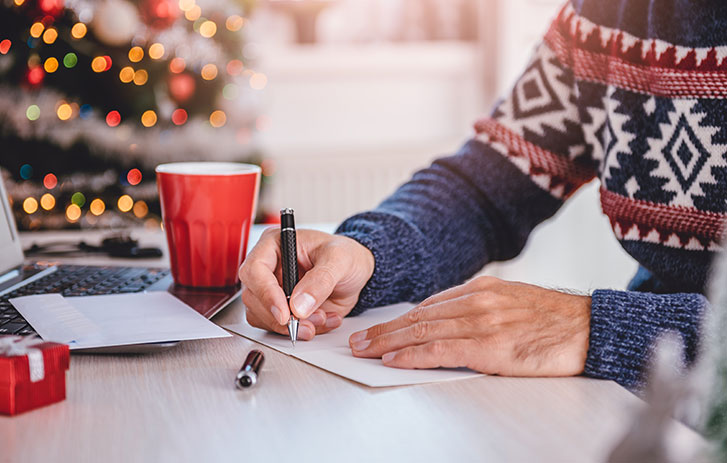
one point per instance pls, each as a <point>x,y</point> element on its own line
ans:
<point>625,324</point>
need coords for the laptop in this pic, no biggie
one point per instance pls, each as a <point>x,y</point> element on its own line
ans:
<point>19,277</point>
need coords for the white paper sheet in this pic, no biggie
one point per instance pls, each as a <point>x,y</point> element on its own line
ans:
<point>331,352</point>
<point>114,320</point>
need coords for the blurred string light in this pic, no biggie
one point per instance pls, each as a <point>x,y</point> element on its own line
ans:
<point>101,63</point>
<point>208,29</point>
<point>125,203</point>
<point>209,71</point>
<point>113,118</point>
<point>85,111</point>
<point>50,65</point>
<point>140,77</point>
<point>50,35</point>
<point>126,75</point>
<point>35,75</point>
<point>156,51</point>
<point>185,5</point>
<point>36,29</point>
<point>78,198</point>
<point>5,46</point>
<point>26,171</point>
<point>78,31</point>
<point>33,112</point>
<point>148,119</point>
<point>50,181</point>
<point>136,54</point>
<point>30,205</point>
<point>70,60</point>
<point>193,13</point>
<point>235,67</point>
<point>19,2</point>
<point>47,201</point>
<point>234,23</point>
<point>177,65</point>
<point>230,91</point>
<point>179,116</point>
<point>97,206</point>
<point>258,81</point>
<point>218,118</point>
<point>64,111</point>
<point>140,209</point>
<point>73,213</point>
<point>134,177</point>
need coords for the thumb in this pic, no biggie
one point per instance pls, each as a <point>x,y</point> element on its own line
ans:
<point>314,288</point>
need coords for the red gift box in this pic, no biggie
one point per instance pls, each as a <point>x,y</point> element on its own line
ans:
<point>32,373</point>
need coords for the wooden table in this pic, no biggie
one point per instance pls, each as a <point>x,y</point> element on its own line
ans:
<point>181,405</point>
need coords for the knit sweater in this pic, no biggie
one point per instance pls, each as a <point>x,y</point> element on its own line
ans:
<point>628,92</point>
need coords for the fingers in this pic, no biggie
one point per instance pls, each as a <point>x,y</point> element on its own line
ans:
<point>420,333</point>
<point>447,353</point>
<point>258,276</point>
<point>259,317</point>
<point>477,284</point>
<point>316,286</point>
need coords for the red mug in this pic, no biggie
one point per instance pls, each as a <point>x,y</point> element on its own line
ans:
<point>207,210</point>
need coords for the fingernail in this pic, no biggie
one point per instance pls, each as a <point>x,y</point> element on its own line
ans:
<point>361,345</point>
<point>388,357</point>
<point>317,319</point>
<point>304,304</point>
<point>277,313</point>
<point>305,332</point>
<point>333,322</point>
<point>356,337</point>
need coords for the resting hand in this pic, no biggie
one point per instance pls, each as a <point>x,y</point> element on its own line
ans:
<point>334,269</point>
<point>487,325</point>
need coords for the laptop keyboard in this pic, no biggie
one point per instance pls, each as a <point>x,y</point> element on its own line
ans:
<point>76,280</point>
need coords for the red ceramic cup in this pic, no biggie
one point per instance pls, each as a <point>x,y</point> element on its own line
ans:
<point>207,209</point>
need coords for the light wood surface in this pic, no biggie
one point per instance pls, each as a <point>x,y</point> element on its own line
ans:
<point>181,405</point>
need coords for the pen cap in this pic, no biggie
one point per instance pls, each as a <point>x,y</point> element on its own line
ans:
<point>287,220</point>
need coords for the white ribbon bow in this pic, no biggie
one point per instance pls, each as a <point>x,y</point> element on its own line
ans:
<point>11,346</point>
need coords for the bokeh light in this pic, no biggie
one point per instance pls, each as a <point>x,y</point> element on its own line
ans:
<point>70,60</point>
<point>258,81</point>
<point>234,67</point>
<point>218,118</point>
<point>97,207</point>
<point>30,205</point>
<point>33,112</point>
<point>50,181</point>
<point>208,29</point>
<point>113,118</point>
<point>98,64</point>
<point>35,75</point>
<point>136,54</point>
<point>209,71</point>
<point>26,171</point>
<point>50,35</point>
<point>78,198</point>
<point>78,31</point>
<point>141,209</point>
<point>126,74</point>
<point>5,46</point>
<point>177,65</point>
<point>73,213</point>
<point>47,201</point>
<point>234,23</point>
<point>230,91</point>
<point>140,77</point>
<point>185,5</point>
<point>149,118</point>
<point>51,65</point>
<point>36,29</point>
<point>193,13</point>
<point>156,51</point>
<point>64,112</point>
<point>134,177</point>
<point>179,116</point>
<point>125,203</point>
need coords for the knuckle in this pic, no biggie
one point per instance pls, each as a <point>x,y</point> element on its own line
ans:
<point>485,281</point>
<point>420,331</point>
<point>326,276</point>
<point>436,348</point>
<point>244,273</point>
<point>415,315</point>
<point>246,297</point>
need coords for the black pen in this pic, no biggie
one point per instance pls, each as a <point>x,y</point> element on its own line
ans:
<point>289,262</point>
<point>250,371</point>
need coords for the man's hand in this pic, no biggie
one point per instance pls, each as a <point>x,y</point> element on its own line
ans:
<point>334,269</point>
<point>488,325</point>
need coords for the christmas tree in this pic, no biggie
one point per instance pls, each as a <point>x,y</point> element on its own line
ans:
<point>94,94</point>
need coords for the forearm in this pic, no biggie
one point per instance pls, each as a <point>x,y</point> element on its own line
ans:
<point>446,223</point>
<point>625,325</point>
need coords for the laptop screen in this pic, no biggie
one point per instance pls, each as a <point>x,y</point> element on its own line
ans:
<point>11,253</point>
